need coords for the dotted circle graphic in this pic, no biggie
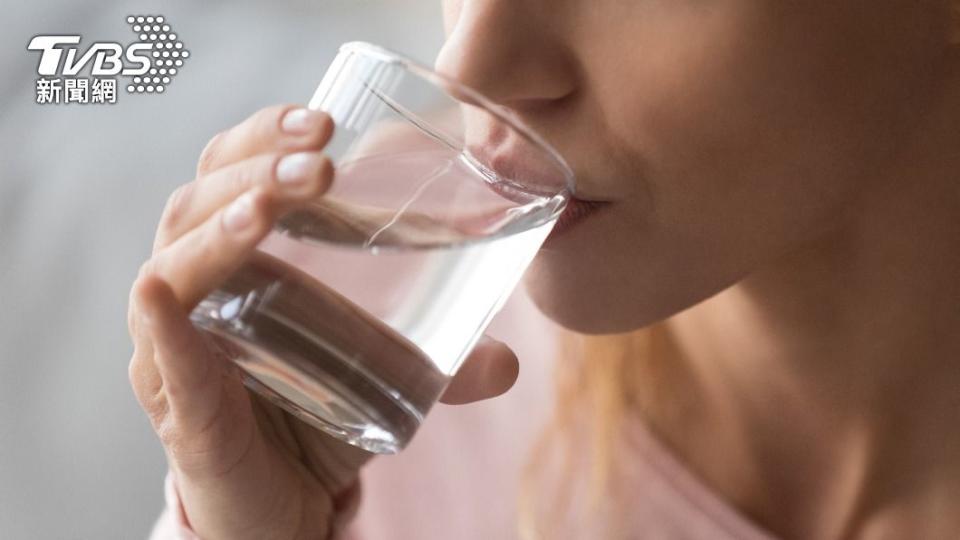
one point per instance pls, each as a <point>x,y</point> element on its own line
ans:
<point>167,51</point>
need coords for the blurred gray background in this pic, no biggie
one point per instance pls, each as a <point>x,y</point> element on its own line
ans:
<point>81,188</point>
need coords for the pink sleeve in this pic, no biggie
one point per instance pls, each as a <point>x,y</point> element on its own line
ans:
<point>173,525</point>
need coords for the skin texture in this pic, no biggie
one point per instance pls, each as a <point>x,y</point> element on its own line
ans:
<point>243,467</point>
<point>782,179</point>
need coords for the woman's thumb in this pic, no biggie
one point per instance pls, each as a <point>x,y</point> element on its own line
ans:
<point>490,370</point>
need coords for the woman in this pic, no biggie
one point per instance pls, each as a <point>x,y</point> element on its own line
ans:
<point>770,282</point>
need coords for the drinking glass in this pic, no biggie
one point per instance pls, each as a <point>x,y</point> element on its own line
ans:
<point>356,310</point>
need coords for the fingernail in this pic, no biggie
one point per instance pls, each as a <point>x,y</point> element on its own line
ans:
<point>296,168</point>
<point>239,214</point>
<point>296,121</point>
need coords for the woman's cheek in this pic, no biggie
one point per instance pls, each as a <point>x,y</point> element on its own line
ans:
<point>689,120</point>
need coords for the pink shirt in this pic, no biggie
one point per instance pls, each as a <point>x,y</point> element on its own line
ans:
<point>459,476</point>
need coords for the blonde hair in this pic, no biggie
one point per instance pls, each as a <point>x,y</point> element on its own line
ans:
<point>596,384</point>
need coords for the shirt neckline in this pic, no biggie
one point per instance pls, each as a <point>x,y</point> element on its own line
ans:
<point>688,486</point>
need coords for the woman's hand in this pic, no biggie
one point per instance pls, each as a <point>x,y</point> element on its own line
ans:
<point>245,468</point>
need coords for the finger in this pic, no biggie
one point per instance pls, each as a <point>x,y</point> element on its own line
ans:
<point>207,428</point>
<point>141,371</point>
<point>282,176</point>
<point>146,382</point>
<point>279,128</point>
<point>200,260</point>
<point>192,376</point>
<point>490,370</point>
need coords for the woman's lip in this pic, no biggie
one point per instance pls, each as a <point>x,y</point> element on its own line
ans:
<point>576,211</point>
<point>510,166</point>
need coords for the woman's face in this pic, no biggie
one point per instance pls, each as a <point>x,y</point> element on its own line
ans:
<point>724,132</point>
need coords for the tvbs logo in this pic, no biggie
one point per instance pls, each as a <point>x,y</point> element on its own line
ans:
<point>106,57</point>
<point>150,63</point>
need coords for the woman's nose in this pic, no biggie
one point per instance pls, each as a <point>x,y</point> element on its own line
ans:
<point>508,51</point>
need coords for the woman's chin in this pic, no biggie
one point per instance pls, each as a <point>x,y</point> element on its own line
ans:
<point>574,306</point>
<point>595,299</point>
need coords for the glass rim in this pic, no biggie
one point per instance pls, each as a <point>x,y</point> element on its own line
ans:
<point>500,112</point>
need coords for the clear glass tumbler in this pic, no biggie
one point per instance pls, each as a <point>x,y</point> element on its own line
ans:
<point>355,312</point>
